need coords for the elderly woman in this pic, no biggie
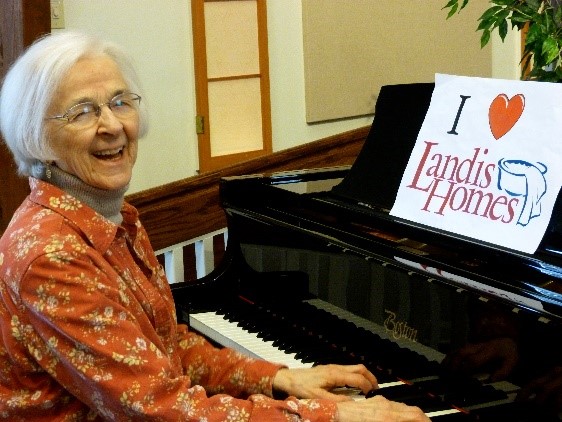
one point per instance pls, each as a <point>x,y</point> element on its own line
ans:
<point>87,321</point>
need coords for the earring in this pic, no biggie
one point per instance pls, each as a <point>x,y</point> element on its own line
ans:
<point>48,173</point>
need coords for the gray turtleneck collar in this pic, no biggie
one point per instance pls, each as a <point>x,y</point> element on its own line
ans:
<point>106,202</point>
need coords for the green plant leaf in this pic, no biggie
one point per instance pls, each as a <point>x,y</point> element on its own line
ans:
<point>518,18</point>
<point>503,14</point>
<point>550,50</point>
<point>558,17</point>
<point>453,6</point>
<point>487,23</point>
<point>484,38</point>
<point>453,10</point>
<point>535,4</point>
<point>533,34</point>
<point>490,12</point>
<point>502,29</point>
<point>543,40</point>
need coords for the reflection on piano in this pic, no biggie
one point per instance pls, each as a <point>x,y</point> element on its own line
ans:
<point>317,271</point>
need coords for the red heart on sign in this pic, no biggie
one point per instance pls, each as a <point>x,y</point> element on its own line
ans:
<point>504,113</point>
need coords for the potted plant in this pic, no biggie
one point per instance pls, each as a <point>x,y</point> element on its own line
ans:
<point>541,23</point>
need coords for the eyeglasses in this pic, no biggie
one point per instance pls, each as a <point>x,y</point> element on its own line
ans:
<point>122,106</point>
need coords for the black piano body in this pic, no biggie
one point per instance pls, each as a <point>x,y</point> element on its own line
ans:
<point>314,255</point>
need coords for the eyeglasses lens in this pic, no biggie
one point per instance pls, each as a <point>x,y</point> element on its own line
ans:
<point>122,106</point>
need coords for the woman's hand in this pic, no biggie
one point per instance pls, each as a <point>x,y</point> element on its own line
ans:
<point>320,381</point>
<point>379,409</point>
<point>317,382</point>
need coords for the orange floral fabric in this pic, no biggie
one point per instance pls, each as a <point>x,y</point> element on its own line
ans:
<point>88,330</point>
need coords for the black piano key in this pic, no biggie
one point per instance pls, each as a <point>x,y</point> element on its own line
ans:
<point>462,392</point>
<point>411,395</point>
<point>513,412</point>
<point>468,398</point>
<point>397,392</point>
<point>433,395</point>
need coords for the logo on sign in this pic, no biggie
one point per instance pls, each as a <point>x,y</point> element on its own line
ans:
<point>464,183</point>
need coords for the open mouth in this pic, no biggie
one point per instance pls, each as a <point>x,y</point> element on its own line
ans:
<point>111,154</point>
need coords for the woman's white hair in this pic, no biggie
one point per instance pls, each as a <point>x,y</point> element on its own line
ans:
<point>31,83</point>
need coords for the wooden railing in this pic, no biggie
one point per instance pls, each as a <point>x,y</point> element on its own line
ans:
<point>185,221</point>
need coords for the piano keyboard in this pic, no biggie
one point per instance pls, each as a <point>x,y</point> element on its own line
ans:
<point>228,334</point>
<point>218,328</point>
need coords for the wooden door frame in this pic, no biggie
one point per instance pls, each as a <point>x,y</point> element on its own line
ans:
<point>21,22</point>
<point>206,161</point>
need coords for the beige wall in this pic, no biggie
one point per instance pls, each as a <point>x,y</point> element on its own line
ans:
<point>158,35</point>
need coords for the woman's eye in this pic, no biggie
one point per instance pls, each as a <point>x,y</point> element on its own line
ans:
<point>121,103</point>
<point>81,113</point>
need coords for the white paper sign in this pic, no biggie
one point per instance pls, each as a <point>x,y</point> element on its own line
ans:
<point>487,163</point>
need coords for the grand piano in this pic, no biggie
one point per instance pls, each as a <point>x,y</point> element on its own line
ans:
<point>317,271</point>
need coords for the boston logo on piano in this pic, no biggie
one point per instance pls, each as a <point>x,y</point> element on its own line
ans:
<point>316,267</point>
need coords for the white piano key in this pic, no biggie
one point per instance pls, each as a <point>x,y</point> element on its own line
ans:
<point>441,412</point>
<point>230,335</point>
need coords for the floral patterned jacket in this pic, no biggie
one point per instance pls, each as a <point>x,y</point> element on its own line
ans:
<point>88,330</point>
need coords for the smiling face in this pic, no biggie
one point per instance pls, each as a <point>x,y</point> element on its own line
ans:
<point>102,155</point>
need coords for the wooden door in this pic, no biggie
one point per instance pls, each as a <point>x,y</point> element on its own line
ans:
<point>231,81</point>
<point>21,22</point>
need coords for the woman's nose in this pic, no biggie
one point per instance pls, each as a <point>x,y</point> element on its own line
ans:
<point>107,120</point>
